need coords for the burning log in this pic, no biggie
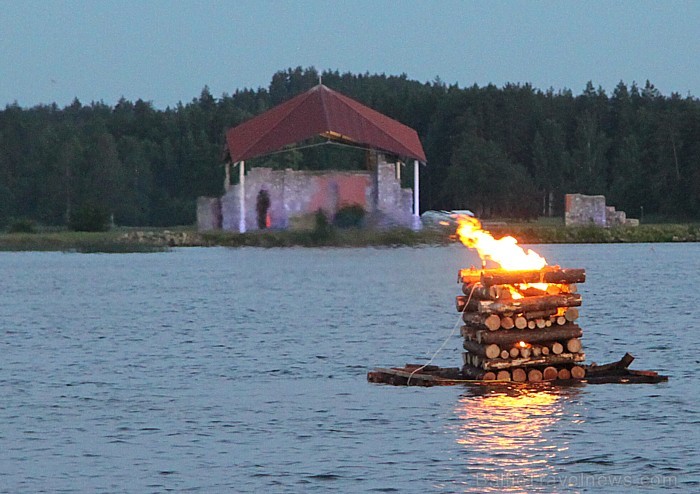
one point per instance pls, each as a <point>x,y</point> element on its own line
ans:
<point>562,288</point>
<point>535,292</point>
<point>554,275</point>
<point>529,304</point>
<point>507,337</point>
<point>492,322</point>
<point>471,275</point>
<point>481,292</point>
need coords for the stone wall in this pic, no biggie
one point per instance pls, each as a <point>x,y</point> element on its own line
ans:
<point>393,204</point>
<point>295,193</point>
<point>582,210</point>
<point>208,213</point>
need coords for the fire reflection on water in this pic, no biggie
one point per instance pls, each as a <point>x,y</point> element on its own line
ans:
<point>504,432</point>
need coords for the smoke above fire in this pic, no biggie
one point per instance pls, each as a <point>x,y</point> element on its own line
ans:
<point>504,251</point>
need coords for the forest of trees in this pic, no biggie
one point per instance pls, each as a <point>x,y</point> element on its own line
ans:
<point>508,152</point>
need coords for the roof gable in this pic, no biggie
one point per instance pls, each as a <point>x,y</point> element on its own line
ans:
<point>319,111</point>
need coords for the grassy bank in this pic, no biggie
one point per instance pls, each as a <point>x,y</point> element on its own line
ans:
<point>548,233</point>
<point>330,238</point>
<point>67,241</point>
<point>157,240</point>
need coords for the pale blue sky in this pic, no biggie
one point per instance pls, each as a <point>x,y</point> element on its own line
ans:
<point>166,51</point>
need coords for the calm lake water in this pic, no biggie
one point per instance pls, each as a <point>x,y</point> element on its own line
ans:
<point>222,370</point>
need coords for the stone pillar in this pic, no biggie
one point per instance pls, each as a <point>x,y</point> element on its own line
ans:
<point>416,196</point>
<point>227,176</point>
<point>241,222</point>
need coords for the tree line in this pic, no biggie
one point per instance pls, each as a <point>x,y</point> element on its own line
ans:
<point>512,151</point>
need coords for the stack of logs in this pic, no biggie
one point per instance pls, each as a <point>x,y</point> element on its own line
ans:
<point>520,325</point>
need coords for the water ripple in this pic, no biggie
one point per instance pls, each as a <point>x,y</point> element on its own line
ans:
<point>210,370</point>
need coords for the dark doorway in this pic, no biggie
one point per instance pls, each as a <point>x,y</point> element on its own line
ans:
<point>262,206</point>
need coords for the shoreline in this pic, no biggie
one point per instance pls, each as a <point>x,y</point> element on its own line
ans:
<point>160,239</point>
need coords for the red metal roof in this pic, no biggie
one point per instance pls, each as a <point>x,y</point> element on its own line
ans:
<point>321,110</point>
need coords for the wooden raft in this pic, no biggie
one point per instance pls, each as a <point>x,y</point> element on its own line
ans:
<point>432,375</point>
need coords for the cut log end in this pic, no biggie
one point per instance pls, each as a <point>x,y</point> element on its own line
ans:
<point>571,314</point>
<point>519,375</point>
<point>534,375</point>
<point>578,372</point>
<point>503,375</point>
<point>493,322</point>
<point>574,345</point>
<point>492,351</point>
<point>507,322</point>
<point>550,373</point>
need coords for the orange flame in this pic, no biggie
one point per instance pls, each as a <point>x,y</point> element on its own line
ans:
<point>505,251</point>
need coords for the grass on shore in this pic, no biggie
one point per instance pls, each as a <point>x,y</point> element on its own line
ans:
<point>548,233</point>
<point>332,238</point>
<point>125,240</point>
<point>69,241</point>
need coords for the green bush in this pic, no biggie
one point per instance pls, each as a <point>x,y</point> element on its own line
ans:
<point>22,226</point>
<point>323,230</point>
<point>350,216</point>
<point>89,218</point>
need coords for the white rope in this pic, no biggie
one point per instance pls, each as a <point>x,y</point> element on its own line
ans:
<point>459,321</point>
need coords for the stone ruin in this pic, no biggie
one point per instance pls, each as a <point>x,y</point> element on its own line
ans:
<point>583,210</point>
<point>287,198</point>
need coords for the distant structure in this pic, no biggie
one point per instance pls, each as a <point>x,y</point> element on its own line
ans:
<point>267,198</point>
<point>582,210</point>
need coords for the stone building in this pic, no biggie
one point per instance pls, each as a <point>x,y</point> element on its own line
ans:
<point>266,198</point>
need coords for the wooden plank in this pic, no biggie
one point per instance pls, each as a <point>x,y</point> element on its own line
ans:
<point>528,304</point>
<point>506,337</point>
<point>549,274</point>
<point>564,358</point>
